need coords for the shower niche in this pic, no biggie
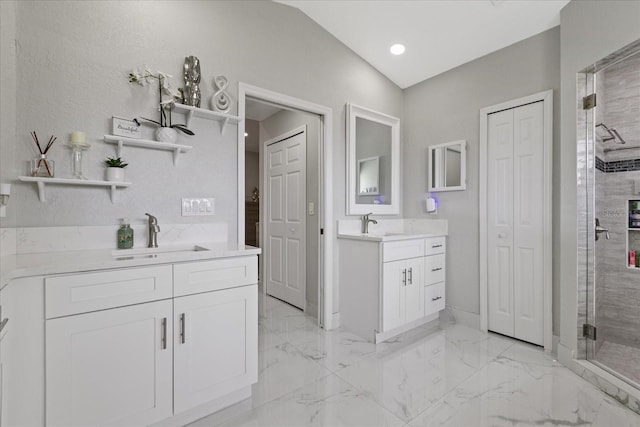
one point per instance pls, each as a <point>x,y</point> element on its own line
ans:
<point>633,233</point>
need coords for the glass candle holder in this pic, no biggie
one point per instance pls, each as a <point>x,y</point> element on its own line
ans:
<point>43,167</point>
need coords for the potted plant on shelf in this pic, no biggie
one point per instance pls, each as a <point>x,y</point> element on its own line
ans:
<point>115,169</point>
<point>167,130</point>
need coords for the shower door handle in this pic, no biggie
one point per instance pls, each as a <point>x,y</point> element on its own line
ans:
<point>600,229</point>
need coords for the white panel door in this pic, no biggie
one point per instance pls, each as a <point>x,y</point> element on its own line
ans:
<point>528,216</point>
<point>216,345</point>
<point>500,222</point>
<point>286,219</point>
<point>110,367</point>
<point>515,222</point>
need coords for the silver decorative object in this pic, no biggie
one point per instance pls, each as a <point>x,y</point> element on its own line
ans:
<point>220,100</point>
<point>191,80</point>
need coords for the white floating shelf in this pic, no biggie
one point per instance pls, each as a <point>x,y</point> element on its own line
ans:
<point>222,118</point>
<point>42,182</point>
<point>121,141</point>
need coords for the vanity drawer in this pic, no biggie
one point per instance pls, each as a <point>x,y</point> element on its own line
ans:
<point>434,269</point>
<point>195,277</point>
<point>434,298</point>
<point>435,245</point>
<point>403,249</point>
<point>85,292</point>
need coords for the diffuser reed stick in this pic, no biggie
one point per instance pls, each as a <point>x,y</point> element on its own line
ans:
<point>43,152</point>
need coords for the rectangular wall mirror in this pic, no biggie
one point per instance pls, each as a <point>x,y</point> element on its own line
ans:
<point>373,162</point>
<point>448,166</point>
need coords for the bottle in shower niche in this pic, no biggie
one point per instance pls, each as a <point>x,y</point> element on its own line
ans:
<point>125,235</point>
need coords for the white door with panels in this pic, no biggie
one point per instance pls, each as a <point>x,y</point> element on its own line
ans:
<point>285,248</point>
<point>515,222</point>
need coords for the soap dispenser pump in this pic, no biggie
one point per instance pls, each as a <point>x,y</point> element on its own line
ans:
<point>125,235</point>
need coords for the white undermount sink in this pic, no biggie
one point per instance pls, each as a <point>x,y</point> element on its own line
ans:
<point>129,254</point>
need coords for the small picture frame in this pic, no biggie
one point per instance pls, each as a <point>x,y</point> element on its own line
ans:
<point>126,128</point>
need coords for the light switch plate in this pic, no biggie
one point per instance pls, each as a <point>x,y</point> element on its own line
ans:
<point>198,206</point>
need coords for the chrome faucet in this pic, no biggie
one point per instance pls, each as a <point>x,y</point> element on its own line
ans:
<point>366,221</point>
<point>153,231</point>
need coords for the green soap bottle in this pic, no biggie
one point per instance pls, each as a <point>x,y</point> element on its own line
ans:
<point>125,235</point>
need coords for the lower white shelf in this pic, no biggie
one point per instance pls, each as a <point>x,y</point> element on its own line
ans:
<point>42,182</point>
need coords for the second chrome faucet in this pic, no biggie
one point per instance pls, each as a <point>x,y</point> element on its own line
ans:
<point>365,223</point>
<point>154,228</point>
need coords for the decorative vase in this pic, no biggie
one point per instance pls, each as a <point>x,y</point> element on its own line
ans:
<point>165,134</point>
<point>115,174</point>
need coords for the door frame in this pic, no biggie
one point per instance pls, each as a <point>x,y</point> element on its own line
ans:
<point>547,98</point>
<point>325,210</point>
<point>264,224</point>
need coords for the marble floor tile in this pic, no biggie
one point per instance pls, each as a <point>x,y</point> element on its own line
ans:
<point>434,375</point>
<point>520,388</point>
<point>337,350</point>
<point>282,369</point>
<point>409,381</point>
<point>326,402</point>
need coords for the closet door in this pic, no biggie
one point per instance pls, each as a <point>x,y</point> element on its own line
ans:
<point>515,222</point>
<point>528,215</point>
<point>500,222</point>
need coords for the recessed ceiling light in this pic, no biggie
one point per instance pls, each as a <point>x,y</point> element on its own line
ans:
<point>397,49</point>
<point>246,134</point>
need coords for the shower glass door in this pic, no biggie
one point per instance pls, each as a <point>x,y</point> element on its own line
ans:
<point>610,171</point>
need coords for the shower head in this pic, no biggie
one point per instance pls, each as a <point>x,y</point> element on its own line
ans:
<point>613,134</point>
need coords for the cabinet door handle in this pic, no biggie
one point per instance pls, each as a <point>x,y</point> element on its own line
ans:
<point>411,276</point>
<point>404,277</point>
<point>163,338</point>
<point>436,298</point>
<point>182,328</point>
<point>436,246</point>
<point>436,269</point>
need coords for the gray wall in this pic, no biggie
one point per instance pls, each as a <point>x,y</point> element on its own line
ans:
<point>272,127</point>
<point>72,64</point>
<point>446,108</point>
<point>590,30</point>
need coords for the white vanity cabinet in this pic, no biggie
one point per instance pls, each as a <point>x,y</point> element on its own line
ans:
<point>435,274</point>
<point>110,367</point>
<point>140,345</point>
<point>389,287</point>
<point>215,332</point>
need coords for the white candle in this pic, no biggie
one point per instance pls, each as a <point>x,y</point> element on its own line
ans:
<point>78,137</point>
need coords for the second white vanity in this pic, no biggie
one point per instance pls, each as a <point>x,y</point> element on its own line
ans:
<point>391,281</point>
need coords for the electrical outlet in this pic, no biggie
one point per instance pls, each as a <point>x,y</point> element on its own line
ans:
<point>198,206</point>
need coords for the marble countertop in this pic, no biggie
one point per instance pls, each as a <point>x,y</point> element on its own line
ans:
<point>46,263</point>
<point>387,236</point>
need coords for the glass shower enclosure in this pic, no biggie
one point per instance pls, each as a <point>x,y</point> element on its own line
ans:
<point>609,214</point>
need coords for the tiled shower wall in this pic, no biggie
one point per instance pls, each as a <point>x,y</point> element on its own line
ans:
<point>605,183</point>
<point>618,287</point>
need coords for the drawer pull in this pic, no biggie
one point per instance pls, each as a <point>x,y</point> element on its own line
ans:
<point>4,323</point>
<point>163,337</point>
<point>182,328</point>
<point>436,246</point>
<point>436,269</point>
<point>436,298</point>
